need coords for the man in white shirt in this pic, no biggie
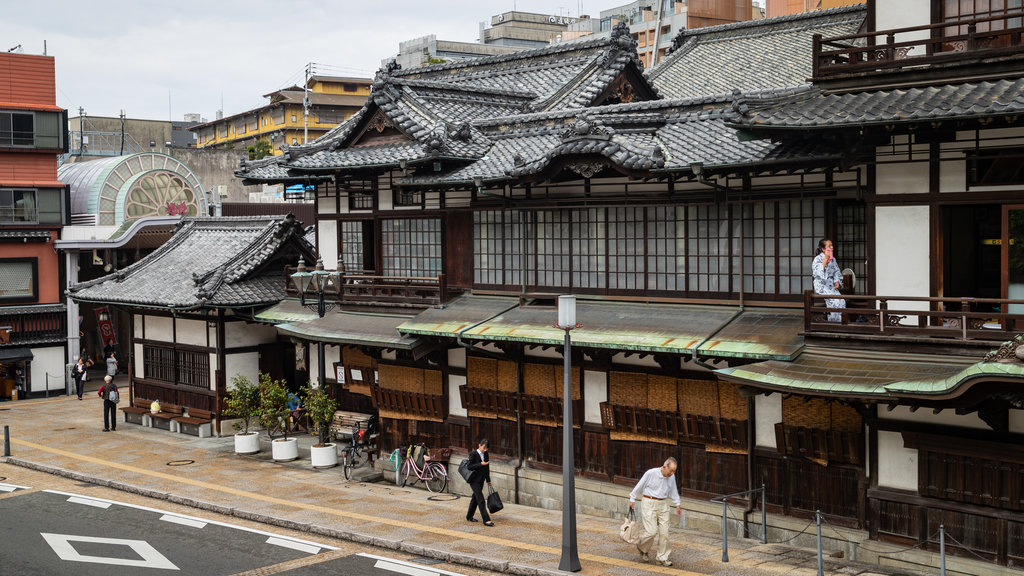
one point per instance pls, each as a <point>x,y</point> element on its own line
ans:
<point>657,486</point>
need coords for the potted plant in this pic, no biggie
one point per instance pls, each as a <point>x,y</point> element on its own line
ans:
<point>243,402</point>
<point>320,407</point>
<point>274,417</point>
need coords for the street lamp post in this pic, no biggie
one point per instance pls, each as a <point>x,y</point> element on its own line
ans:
<point>570,560</point>
<point>319,279</point>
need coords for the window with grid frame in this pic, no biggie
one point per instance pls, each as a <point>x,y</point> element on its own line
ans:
<point>186,367</point>
<point>588,248</point>
<point>666,248</point>
<point>953,10</point>
<point>551,257</point>
<point>488,247</point>
<point>707,248</point>
<point>411,246</point>
<point>626,245</point>
<point>352,244</point>
<point>17,128</point>
<point>851,243</point>
<point>759,248</point>
<point>407,198</point>
<point>19,280</point>
<point>801,225</point>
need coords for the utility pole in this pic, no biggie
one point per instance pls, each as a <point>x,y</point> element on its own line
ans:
<point>305,106</point>
<point>122,132</point>
<point>81,131</point>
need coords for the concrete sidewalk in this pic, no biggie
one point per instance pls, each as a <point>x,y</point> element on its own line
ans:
<point>63,436</point>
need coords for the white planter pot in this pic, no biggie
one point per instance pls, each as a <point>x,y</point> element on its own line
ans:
<point>285,450</point>
<point>325,456</point>
<point>247,443</point>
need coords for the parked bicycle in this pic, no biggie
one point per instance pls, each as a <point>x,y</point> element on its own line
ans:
<point>361,448</point>
<point>418,464</point>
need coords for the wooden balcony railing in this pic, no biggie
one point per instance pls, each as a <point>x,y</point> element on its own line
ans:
<point>371,290</point>
<point>685,427</point>
<point>26,325</point>
<point>424,406</point>
<point>839,446</point>
<point>543,408</point>
<point>915,317</point>
<point>899,48</point>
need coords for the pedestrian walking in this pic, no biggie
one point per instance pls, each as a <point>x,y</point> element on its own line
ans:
<point>657,486</point>
<point>111,364</point>
<point>79,373</point>
<point>110,395</point>
<point>479,464</point>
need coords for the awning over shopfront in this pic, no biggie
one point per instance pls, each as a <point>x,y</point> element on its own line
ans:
<point>285,311</point>
<point>871,376</point>
<point>16,354</point>
<point>353,328</point>
<point>641,327</point>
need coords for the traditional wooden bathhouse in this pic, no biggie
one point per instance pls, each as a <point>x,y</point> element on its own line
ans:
<point>192,301</point>
<point>683,207</point>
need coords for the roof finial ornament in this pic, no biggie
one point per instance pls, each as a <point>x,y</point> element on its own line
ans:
<point>384,74</point>
<point>621,41</point>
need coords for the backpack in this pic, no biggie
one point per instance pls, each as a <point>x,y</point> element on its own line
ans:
<point>114,396</point>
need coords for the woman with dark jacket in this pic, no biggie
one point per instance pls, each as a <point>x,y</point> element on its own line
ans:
<point>479,463</point>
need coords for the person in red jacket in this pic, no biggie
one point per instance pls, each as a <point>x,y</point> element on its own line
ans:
<point>109,405</point>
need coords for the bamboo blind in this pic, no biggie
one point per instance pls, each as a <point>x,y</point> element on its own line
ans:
<point>628,389</point>
<point>433,382</point>
<point>730,403</point>
<point>403,378</point>
<point>352,356</point>
<point>507,380</point>
<point>481,373</point>
<point>699,397</point>
<point>813,413</point>
<point>845,418</point>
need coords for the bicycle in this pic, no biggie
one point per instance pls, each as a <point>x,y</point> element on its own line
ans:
<point>360,442</point>
<point>418,465</point>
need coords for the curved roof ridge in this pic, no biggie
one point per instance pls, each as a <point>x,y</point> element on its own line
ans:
<point>517,55</point>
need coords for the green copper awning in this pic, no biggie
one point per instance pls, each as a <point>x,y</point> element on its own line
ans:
<point>860,374</point>
<point>620,326</point>
<point>353,328</point>
<point>287,310</point>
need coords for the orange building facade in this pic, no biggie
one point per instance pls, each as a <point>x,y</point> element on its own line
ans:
<point>33,210</point>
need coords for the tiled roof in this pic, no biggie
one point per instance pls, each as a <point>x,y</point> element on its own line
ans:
<point>752,55</point>
<point>813,109</point>
<point>209,262</point>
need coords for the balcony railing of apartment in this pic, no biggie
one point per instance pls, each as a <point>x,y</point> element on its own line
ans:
<point>372,290</point>
<point>916,317</point>
<point>903,48</point>
<point>31,325</point>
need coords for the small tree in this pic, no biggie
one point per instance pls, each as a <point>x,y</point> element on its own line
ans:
<point>243,402</point>
<point>321,407</point>
<point>273,405</point>
<point>260,149</point>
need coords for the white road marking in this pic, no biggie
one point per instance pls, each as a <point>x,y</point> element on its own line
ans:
<point>294,545</point>
<point>403,567</point>
<point>194,523</point>
<point>148,556</point>
<point>315,545</point>
<point>12,487</point>
<point>89,502</point>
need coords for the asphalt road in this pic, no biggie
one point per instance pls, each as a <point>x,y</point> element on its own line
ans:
<point>53,526</point>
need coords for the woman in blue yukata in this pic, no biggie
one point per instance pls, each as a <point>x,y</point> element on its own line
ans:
<point>828,279</point>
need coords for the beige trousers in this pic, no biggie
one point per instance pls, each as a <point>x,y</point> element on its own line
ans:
<point>655,517</point>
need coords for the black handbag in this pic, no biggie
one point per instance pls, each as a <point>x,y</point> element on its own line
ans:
<point>464,470</point>
<point>493,501</point>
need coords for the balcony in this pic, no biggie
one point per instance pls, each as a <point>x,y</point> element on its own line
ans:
<point>964,321</point>
<point>933,50</point>
<point>366,290</point>
<point>31,325</point>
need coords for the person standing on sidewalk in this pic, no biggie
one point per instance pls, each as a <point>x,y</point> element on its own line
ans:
<point>111,364</point>
<point>479,463</point>
<point>657,486</point>
<point>79,372</point>
<point>109,406</point>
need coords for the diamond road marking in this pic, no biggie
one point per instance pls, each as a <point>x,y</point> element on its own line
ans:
<point>63,545</point>
<point>89,502</point>
<point>194,523</point>
<point>294,545</point>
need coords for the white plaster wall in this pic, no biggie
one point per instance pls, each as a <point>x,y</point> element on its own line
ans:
<point>159,328</point>
<point>634,360</point>
<point>47,361</point>
<point>595,391</point>
<point>238,334</point>
<point>457,357</point>
<point>890,15</point>
<point>902,178</point>
<point>244,364</point>
<point>137,324</point>
<point>925,416</point>
<point>384,199</point>
<point>903,259</point>
<point>1017,421</point>
<point>332,354</point>
<point>389,355</point>
<point>455,407</point>
<point>953,176</point>
<point>140,369</point>
<point>767,413</point>
<point>324,205</point>
<point>327,242</point>
<point>192,332</point>
<point>897,466</point>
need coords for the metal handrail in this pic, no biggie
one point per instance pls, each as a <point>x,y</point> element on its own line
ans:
<point>725,516</point>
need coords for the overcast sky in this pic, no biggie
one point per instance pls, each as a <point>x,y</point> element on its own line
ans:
<point>160,59</point>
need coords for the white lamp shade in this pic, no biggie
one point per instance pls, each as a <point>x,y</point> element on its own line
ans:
<point>567,311</point>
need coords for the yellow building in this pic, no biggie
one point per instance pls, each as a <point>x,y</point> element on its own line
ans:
<point>282,120</point>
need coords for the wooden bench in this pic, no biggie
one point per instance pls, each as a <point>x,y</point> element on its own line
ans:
<point>344,422</point>
<point>138,412</point>
<point>165,419</point>
<point>197,422</point>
